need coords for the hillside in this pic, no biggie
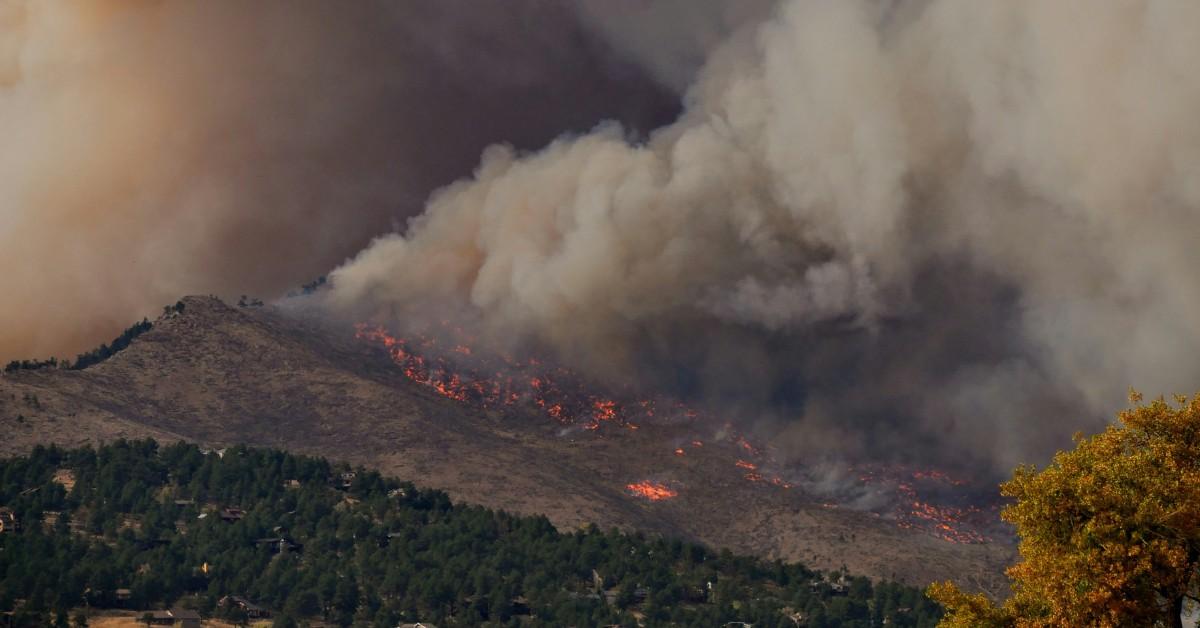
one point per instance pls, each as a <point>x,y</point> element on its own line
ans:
<point>220,375</point>
<point>305,540</point>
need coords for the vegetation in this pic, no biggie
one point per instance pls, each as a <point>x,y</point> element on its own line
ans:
<point>95,356</point>
<point>1110,532</point>
<point>310,288</point>
<point>106,351</point>
<point>99,354</point>
<point>32,365</point>
<point>310,540</point>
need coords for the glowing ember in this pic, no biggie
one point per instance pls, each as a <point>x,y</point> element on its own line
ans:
<point>745,444</point>
<point>652,491</point>
<point>497,381</point>
<point>954,523</point>
<point>605,410</point>
<point>927,500</point>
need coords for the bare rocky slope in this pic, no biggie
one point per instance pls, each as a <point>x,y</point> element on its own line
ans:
<point>221,375</point>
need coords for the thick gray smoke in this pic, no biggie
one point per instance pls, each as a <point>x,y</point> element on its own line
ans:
<point>890,228</point>
<point>155,148</point>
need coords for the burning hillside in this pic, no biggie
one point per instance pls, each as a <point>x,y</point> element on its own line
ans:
<point>457,371</point>
<point>652,491</point>
<point>222,375</point>
<point>450,363</point>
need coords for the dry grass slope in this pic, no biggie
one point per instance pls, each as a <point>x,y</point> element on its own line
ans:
<point>221,375</point>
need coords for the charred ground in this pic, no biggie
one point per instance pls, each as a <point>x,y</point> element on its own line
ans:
<point>221,375</point>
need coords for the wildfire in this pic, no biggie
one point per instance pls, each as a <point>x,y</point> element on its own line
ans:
<point>652,491</point>
<point>952,523</point>
<point>494,381</point>
<point>604,410</point>
<point>745,444</point>
<point>498,381</point>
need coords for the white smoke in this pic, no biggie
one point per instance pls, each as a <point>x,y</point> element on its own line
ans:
<point>971,225</point>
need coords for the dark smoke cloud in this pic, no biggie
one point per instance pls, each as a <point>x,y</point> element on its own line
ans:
<point>886,229</point>
<point>157,148</point>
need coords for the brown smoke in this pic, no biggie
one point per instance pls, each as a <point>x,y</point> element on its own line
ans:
<point>940,223</point>
<point>155,148</point>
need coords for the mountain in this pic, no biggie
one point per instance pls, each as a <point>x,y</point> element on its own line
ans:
<point>220,375</point>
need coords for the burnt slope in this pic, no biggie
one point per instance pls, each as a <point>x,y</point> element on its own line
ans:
<point>221,375</point>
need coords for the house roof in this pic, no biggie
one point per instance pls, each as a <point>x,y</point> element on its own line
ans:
<point>176,613</point>
<point>243,602</point>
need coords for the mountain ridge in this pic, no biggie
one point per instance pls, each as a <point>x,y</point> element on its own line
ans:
<point>220,375</point>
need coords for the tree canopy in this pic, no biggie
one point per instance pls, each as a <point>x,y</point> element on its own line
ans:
<point>147,527</point>
<point>1109,532</point>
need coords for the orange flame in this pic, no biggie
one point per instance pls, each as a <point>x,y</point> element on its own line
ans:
<point>456,371</point>
<point>652,491</point>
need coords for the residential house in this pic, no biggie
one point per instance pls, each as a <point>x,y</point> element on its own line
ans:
<point>175,617</point>
<point>8,521</point>
<point>280,545</point>
<point>252,610</point>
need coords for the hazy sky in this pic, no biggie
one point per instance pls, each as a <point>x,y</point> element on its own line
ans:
<point>167,147</point>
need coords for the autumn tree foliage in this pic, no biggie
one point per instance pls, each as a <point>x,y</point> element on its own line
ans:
<point>1109,532</point>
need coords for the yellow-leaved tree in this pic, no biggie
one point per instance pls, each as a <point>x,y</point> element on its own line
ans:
<point>1109,532</point>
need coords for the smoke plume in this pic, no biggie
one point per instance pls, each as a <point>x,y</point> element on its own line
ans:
<point>156,148</point>
<point>885,228</point>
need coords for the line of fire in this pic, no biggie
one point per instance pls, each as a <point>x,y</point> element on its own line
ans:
<point>494,381</point>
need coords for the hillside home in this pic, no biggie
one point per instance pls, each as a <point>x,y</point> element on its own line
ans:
<point>280,545</point>
<point>175,617</point>
<point>252,610</point>
<point>8,521</point>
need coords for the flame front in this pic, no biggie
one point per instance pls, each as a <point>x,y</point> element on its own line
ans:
<point>495,381</point>
<point>954,524</point>
<point>652,491</point>
<point>556,392</point>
